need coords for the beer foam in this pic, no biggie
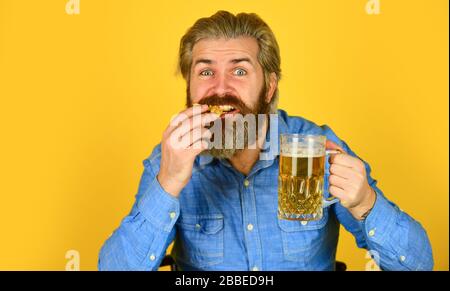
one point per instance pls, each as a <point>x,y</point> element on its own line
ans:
<point>302,152</point>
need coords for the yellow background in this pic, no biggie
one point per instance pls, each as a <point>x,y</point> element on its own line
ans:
<point>85,98</point>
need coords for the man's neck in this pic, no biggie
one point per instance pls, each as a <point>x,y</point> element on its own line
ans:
<point>243,161</point>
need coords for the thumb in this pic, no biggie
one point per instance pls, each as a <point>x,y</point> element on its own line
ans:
<point>333,146</point>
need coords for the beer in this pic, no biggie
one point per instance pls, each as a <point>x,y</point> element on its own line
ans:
<point>300,186</point>
<point>301,177</point>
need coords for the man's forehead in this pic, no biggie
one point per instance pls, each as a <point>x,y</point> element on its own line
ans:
<point>242,47</point>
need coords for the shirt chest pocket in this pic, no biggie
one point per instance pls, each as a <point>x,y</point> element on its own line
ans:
<point>302,240</point>
<point>202,239</point>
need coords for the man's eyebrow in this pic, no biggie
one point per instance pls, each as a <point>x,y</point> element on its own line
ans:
<point>203,61</point>
<point>235,61</point>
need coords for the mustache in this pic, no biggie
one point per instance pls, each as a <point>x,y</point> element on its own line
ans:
<point>226,100</point>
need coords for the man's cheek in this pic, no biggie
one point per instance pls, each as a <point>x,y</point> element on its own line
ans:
<point>196,93</point>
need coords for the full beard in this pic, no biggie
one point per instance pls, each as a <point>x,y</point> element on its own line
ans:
<point>232,136</point>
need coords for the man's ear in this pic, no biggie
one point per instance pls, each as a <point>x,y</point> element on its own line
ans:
<point>273,83</point>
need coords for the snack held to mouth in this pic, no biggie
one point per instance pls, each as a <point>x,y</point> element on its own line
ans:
<point>218,109</point>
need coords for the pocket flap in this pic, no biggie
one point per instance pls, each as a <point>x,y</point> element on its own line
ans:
<point>209,224</point>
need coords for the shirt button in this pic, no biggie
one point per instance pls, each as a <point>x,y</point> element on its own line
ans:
<point>152,257</point>
<point>197,226</point>
<point>402,258</point>
<point>304,223</point>
<point>172,215</point>
<point>250,227</point>
<point>255,268</point>
<point>372,232</point>
<point>246,183</point>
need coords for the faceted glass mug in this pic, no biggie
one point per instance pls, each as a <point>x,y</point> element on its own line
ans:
<point>301,177</point>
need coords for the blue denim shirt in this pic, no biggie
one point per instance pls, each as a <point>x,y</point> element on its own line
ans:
<point>224,220</point>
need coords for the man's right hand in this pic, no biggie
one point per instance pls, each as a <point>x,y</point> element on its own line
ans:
<point>184,138</point>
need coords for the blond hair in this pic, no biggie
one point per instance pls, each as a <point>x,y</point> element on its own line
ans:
<point>223,24</point>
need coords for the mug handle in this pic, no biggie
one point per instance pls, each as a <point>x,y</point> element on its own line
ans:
<point>330,200</point>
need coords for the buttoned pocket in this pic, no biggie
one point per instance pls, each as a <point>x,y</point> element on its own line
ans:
<point>302,239</point>
<point>202,238</point>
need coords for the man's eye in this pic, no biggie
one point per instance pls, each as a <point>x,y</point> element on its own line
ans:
<point>206,73</point>
<point>240,72</point>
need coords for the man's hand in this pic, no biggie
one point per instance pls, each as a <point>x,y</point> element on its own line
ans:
<point>348,182</point>
<point>185,138</point>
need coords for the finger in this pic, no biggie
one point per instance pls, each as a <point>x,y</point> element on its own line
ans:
<point>199,146</point>
<point>333,146</point>
<point>346,160</point>
<point>338,181</point>
<point>189,124</point>
<point>337,192</point>
<point>196,134</point>
<point>192,136</point>
<point>186,114</point>
<point>342,171</point>
<point>189,138</point>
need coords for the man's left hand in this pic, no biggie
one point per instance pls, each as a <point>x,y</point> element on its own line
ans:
<point>348,182</point>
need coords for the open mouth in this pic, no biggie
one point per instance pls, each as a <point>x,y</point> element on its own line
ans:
<point>222,110</point>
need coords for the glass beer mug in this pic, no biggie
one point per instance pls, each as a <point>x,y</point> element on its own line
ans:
<point>301,177</point>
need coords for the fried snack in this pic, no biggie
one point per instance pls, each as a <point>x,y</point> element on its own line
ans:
<point>217,109</point>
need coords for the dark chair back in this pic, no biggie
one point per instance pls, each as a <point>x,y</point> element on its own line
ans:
<point>169,261</point>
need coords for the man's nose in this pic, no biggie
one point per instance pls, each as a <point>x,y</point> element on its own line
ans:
<point>222,85</point>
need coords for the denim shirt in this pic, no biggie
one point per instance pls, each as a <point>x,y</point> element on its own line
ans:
<point>224,220</point>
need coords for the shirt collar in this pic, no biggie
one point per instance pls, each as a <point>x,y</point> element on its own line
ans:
<point>282,129</point>
<point>204,159</point>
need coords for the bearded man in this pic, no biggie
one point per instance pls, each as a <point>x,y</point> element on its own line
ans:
<point>208,188</point>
